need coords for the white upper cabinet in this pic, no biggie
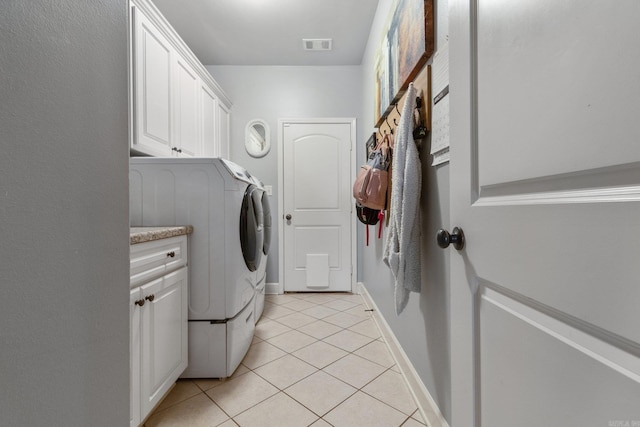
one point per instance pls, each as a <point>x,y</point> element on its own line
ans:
<point>152,88</point>
<point>177,109</point>
<point>208,110</point>
<point>224,118</point>
<point>187,142</point>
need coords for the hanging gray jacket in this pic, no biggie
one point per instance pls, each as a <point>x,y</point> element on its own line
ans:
<point>402,250</point>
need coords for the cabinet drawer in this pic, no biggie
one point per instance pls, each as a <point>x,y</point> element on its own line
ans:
<point>153,259</point>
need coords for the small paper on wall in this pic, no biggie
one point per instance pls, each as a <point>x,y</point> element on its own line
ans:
<point>440,107</point>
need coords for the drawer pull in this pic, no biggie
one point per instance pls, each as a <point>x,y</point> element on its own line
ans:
<point>171,254</point>
<point>140,302</point>
<point>150,298</point>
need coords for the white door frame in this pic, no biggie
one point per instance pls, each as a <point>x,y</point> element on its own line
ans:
<point>281,122</point>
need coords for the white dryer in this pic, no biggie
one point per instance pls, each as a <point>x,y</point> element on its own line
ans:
<point>219,199</point>
<point>262,267</point>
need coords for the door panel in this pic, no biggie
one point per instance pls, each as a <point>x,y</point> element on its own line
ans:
<point>574,77</point>
<point>223,125</point>
<point>321,240</point>
<point>208,107</point>
<point>545,182</point>
<point>135,348</point>
<point>152,61</point>
<point>186,105</point>
<point>317,183</point>
<point>527,382</point>
<point>164,343</point>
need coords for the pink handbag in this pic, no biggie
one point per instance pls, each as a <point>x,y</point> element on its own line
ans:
<point>370,186</point>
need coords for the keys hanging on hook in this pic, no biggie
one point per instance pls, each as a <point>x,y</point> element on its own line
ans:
<point>420,132</point>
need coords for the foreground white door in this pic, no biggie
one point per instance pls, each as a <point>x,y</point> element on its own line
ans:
<point>317,221</point>
<point>545,183</point>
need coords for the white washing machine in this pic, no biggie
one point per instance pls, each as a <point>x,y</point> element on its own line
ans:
<point>219,199</point>
<point>262,267</point>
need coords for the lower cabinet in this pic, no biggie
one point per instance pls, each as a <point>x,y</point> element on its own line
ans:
<point>158,315</point>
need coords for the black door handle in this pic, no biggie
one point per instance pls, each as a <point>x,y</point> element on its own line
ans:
<point>456,238</point>
<point>288,217</point>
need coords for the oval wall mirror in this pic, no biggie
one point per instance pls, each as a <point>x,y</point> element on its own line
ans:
<point>257,138</point>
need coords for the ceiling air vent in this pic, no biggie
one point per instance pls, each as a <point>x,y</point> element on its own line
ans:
<point>317,44</point>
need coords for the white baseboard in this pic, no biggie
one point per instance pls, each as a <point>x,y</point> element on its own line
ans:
<point>272,289</point>
<point>428,408</point>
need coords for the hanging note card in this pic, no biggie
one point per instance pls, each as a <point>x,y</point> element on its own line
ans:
<point>440,107</point>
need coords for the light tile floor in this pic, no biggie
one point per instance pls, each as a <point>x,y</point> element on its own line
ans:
<point>316,360</point>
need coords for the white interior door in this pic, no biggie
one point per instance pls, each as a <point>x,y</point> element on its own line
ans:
<point>317,220</point>
<point>545,183</point>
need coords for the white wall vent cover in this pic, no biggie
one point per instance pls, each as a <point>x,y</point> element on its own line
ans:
<point>317,44</point>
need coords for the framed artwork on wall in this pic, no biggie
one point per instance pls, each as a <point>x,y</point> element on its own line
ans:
<point>407,44</point>
<point>370,145</point>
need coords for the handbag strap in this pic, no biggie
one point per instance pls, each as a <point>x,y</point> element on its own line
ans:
<point>387,140</point>
<point>367,227</point>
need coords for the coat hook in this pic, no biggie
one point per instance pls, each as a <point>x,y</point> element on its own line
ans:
<point>394,122</point>
<point>386,119</point>
<point>397,111</point>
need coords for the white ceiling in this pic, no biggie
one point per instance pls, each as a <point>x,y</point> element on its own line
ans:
<point>270,32</point>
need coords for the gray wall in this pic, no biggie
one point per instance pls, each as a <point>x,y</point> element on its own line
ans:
<point>423,327</point>
<point>64,335</point>
<point>272,93</point>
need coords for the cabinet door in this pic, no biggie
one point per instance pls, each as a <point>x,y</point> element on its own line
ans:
<point>135,314</point>
<point>164,336</point>
<point>187,84</point>
<point>208,110</point>
<point>152,59</point>
<point>223,130</point>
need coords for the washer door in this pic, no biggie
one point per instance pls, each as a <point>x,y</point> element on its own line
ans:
<point>266,210</point>
<point>252,227</point>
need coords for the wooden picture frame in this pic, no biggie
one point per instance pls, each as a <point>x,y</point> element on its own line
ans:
<point>406,46</point>
<point>370,145</point>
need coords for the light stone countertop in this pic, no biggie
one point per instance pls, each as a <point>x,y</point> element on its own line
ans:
<point>147,234</point>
